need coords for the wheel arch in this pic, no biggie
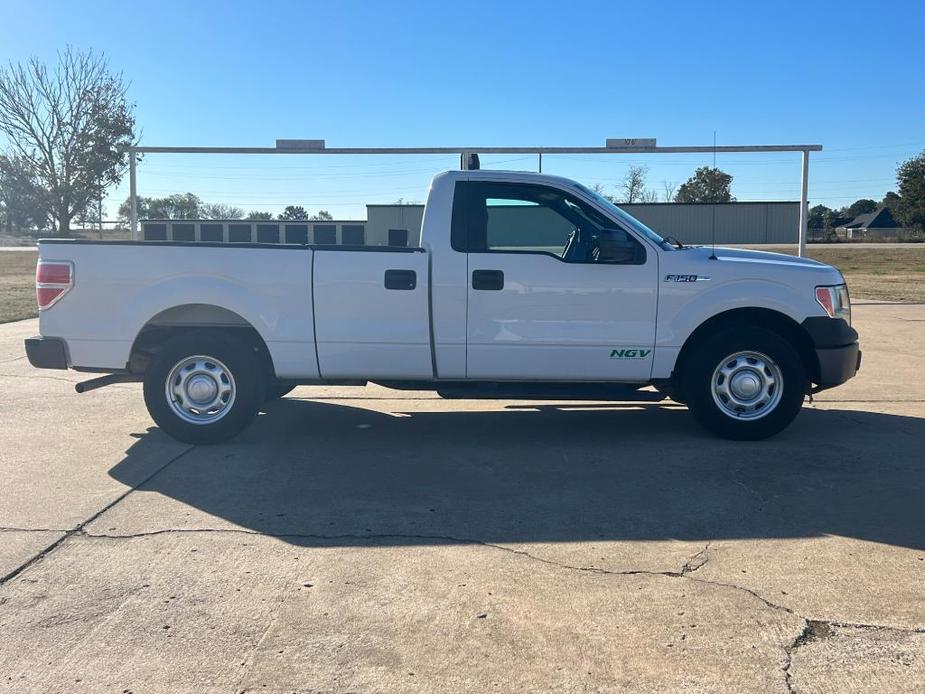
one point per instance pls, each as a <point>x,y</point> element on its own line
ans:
<point>190,318</point>
<point>769,319</point>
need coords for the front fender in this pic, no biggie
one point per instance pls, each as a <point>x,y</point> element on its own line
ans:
<point>681,310</point>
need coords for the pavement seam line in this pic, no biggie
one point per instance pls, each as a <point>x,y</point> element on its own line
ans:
<point>78,529</point>
<point>43,377</point>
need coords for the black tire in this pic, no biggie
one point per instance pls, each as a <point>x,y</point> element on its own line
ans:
<point>275,391</point>
<point>712,351</point>
<point>233,354</point>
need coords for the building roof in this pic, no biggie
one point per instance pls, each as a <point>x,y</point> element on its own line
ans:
<point>881,218</point>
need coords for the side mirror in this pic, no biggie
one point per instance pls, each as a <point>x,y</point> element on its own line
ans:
<point>614,246</point>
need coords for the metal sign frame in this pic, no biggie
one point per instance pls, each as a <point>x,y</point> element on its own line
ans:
<point>318,147</point>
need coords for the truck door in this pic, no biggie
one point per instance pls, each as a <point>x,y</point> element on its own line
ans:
<point>557,291</point>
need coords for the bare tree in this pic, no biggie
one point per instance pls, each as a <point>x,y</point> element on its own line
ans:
<point>218,210</point>
<point>649,195</point>
<point>634,183</point>
<point>71,125</point>
<point>602,191</point>
<point>669,188</point>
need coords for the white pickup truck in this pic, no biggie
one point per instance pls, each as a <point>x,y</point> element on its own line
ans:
<point>524,284</point>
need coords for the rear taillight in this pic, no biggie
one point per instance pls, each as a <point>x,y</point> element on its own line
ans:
<point>53,278</point>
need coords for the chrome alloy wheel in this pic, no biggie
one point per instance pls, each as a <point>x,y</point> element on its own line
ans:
<point>747,385</point>
<point>200,389</point>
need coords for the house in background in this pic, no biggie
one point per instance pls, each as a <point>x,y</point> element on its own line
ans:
<point>873,225</point>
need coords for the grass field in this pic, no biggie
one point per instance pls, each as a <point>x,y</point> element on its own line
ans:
<point>891,273</point>
<point>17,285</point>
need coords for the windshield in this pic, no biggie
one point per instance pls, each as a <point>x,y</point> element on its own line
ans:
<point>626,218</point>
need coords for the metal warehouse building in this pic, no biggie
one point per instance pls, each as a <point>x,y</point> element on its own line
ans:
<point>736,222</point>
<point>400,225</point>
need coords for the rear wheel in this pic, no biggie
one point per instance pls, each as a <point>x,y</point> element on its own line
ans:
<point>203,388</point>
<point>745,383</point>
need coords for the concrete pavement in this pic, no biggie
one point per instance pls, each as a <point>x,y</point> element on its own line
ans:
<point>359,540</point>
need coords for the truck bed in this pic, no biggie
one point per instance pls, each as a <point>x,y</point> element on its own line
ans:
<point>290,294</point>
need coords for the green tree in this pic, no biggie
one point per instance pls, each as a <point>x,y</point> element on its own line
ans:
<point>910,207</point>
<point>708,184</point>
<point>141,205</point>
<point>293,212</point>
<point>891,202</point>
<point>859,207</point>
<point>817,216</point>
<point>259,216</point>
<point>323,215</point>
<point>176,206</point>
<point>24,202</point>
<point>71,124</point>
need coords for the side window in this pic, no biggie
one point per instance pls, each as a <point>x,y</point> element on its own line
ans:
<point>513,224</point>
<point>526,218</point>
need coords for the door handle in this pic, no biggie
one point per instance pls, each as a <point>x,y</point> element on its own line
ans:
<point>488,280</point>
<point>401,279</point>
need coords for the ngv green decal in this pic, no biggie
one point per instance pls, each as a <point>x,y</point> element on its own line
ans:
<point>630,353</point>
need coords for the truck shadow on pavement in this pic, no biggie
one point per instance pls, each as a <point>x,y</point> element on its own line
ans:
<point>322,474</point>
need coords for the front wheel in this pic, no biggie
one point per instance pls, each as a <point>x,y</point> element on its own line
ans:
<point>745,383</point>
<point>203,388</point>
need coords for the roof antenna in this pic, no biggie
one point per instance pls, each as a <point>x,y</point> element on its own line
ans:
<point>713,197</point>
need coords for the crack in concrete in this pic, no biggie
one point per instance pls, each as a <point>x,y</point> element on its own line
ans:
<point>801,639</point>
<point>822,629</point>
<point>696,561</point>
<point>813,629</point>
<point>690,566</point>
<point>77,529</point>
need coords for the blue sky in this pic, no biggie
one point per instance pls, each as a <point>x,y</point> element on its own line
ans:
<point>848,75</point>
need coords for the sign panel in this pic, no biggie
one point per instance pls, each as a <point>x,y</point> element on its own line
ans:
<point>629,142</point>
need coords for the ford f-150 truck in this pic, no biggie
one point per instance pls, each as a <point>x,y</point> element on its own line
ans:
<point>523,283</point>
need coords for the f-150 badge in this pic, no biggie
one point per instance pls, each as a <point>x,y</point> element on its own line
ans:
<point>686,278</point>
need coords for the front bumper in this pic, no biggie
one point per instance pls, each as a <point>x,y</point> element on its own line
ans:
<point>837,350</point>
<point>838,364</point>
<point>47,352</point>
